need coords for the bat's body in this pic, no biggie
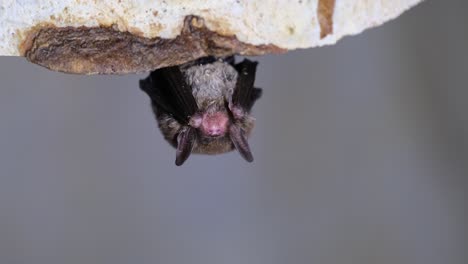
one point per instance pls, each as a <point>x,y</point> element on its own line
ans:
<point>204,106</point>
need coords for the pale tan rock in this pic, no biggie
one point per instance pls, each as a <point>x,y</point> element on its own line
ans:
<point>136,35</point>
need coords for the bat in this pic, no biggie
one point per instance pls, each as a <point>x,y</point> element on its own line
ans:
<point>204,106</point>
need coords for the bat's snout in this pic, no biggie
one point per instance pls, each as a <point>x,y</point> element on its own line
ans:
<point>215,124</point>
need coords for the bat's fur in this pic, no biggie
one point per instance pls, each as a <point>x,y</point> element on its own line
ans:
<point>212,86</point>
<point>211,83</point>
<point>204,106</point>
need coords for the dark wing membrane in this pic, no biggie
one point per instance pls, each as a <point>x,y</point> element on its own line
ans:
<point>245,94</point>
<point>169,92</point>
<point>256,94</point>
<point>181,92</point>
<point>156,86</point>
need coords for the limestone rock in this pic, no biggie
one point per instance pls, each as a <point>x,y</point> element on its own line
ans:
<point>126,36</point>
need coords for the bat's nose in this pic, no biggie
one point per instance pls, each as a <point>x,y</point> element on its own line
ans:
<point>215,131</point>
<point>215,125</point>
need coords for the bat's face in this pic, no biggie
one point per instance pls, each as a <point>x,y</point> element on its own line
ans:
<point>205,108</point>
<point>213,129</point>
<point>211,124</point>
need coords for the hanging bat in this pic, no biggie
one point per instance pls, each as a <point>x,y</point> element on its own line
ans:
<point>204,106</point>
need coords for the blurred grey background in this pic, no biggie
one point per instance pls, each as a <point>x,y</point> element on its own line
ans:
<point>361,157</point>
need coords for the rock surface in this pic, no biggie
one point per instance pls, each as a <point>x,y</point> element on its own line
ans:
<point>126,36</point>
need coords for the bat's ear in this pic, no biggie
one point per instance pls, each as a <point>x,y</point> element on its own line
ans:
<point>240,142</point>
<point>185,141</point>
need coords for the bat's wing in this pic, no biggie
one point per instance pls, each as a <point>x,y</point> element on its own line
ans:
<point>245,94</point>
<point>243,98</point>
<point>169,92</point>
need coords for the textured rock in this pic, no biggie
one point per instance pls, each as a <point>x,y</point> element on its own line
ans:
<point>133,36</point>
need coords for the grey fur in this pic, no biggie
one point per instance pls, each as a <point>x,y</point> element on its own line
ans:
<point>213,85</point>
<point>211,82</point>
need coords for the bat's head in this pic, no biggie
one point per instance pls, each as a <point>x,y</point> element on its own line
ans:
<point>211,124</point>
<point>211,131</point>
<point>223,130</point>
<point>204,107</point>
